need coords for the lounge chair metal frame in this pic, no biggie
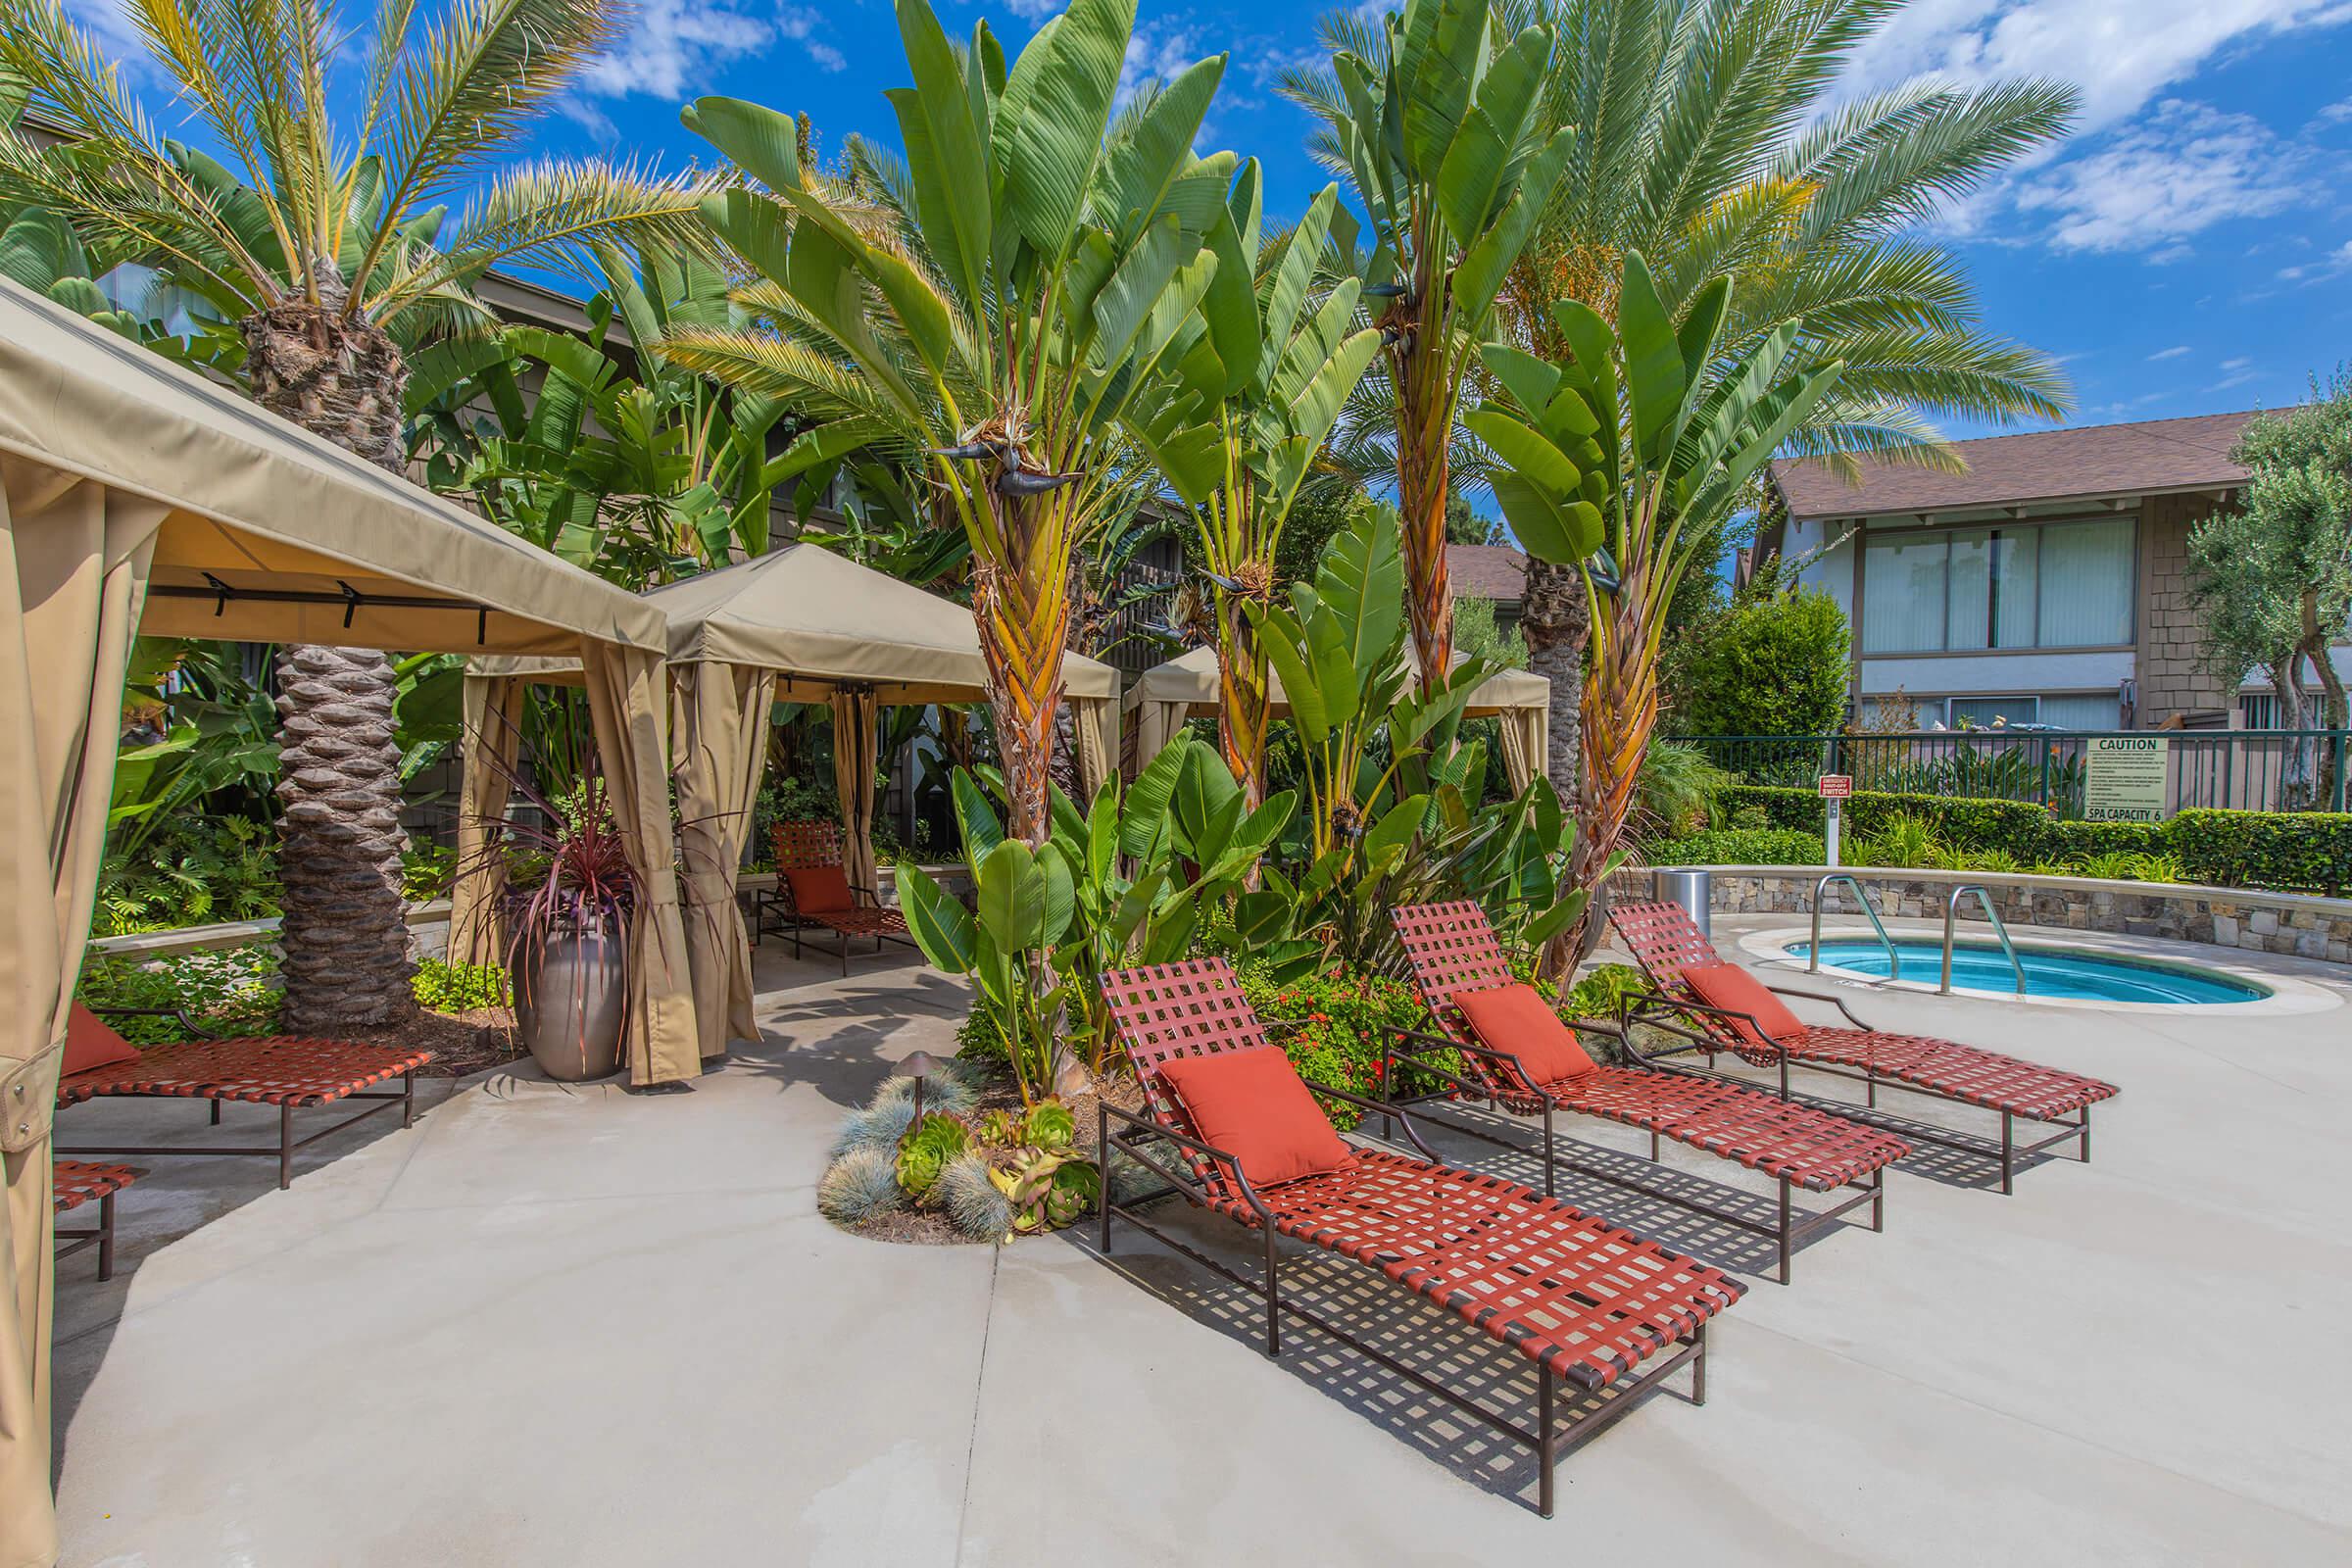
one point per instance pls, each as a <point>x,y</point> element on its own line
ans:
<point>76,1184</point>
<point>1204,1169</point>
<point>1663,961</point>
<point>810,842</point>
<point>287,1145</point>
<point>1507,1087</point>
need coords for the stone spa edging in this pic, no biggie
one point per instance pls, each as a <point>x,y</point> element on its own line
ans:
<point>2290,924</point>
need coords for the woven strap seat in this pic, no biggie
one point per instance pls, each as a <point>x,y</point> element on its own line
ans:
<point>1814,1149</point>
<point>857,922</point>
<point>78,1182</point>
<point>1453,950</point>
<point>1664,942</point>
<point>1964,1073</point>
<point>281,1071</point>
<point>1584,1298</point>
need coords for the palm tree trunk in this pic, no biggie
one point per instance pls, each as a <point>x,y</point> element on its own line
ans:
<point>1243,704</point>
<point>1556,620</point>
<point>345,935</point>
<point>1620,712</point>
<point>1023,611</point>
<point>1423,425</point>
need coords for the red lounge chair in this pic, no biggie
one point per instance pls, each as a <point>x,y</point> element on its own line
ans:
<point>75,1184</point>
<point>283,1071</point>
<point>1582,1300</point>
<point>1665,943</point>
<point>820,898</point>
<point>1453,952</point>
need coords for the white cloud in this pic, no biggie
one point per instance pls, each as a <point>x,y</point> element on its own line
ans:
<point>2168,354</point>
<point>1155,52</point>
<point>677,45</point>
<point>2146,187</point>
<point>2238,363</point>
<point>2121,55</point>
<point>1035,11</point>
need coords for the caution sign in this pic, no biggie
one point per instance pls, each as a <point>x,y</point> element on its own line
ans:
<point>2123,778</point>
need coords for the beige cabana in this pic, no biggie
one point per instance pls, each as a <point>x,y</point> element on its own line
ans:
<point>1185,687</point>
<point>804,624</point>
<point>137,496</point>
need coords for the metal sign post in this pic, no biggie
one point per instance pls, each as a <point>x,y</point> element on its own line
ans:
<point>1834,789</point>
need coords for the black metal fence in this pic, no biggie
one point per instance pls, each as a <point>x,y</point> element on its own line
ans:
<point>2243,769</point>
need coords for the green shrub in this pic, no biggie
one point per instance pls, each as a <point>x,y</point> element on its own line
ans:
<point>1768,846</point>
<point>1960,824</point>
<point>2070,843</point>
<point>2288,851</point>
<point>1903,842</point>
<point>189,870</point>
<point>444,987</point>
<point>1595,995</point>
<point>1774,665</point>
<point>230,991</point>
<point>1337,1026</point>
<point>2111,865</point>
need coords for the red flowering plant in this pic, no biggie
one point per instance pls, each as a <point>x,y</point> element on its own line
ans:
<point>1335,1025</point>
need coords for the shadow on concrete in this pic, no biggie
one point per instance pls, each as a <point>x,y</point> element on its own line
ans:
<point>1434,1342</point>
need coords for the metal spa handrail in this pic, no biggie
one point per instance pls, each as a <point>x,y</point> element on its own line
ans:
<point>1951,913</point>
<point>1894,965</point>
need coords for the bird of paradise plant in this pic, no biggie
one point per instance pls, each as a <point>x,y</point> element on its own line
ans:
<point>1637,440</point>
<point>1048,268</point>
<point>1432,122</point>
<point>1257,382</point>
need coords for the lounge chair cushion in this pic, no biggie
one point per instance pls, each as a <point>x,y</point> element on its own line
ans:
<point>1515,1019</point>
<point>1252,1105</point>
<point>1734,989</point>
<point>91,1042</point>
<point>820,889</point>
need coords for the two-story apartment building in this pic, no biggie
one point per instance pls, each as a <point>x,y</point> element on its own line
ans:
<point>2045,584</point>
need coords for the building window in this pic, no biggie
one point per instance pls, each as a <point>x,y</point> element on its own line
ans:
<point>1958,590</point>
<point>1984,712</point>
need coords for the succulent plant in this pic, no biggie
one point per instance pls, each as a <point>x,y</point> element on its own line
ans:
<point>998,1129</point>
<point>1047,1189</point>
<point>879,1125</point>
<point>927,1149</point>
<point>1051,1126</point>
<point>861,1186</point>
<point>973,1202</point>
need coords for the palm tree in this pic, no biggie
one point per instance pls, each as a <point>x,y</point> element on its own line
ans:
<point>323,249</point>
<point>1701,143</point>
<point>1432,116</point>
<point>994,306</point>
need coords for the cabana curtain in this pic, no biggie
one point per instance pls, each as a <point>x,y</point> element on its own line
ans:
<point>494,741</point>
<point>722,744</point>
<point>855,760</point>
<point>74,561</point>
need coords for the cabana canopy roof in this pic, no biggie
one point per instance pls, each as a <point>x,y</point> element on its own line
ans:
<point>1190,678</point>
<point>274,534</point>
<point>820,619</point>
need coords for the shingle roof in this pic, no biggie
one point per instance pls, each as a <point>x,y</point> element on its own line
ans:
<point>1487,572</point>
<point>2087,462</point>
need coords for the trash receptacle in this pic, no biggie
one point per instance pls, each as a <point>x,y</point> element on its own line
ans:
<point>1691,887</point>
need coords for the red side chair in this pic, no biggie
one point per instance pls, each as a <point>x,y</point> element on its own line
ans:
<point>1455,955</point>
<point>812,894</point>
<point>75,1184</point>
<point>1681,964</point>
<point>289,1073</point>
<point>1587,1303</point>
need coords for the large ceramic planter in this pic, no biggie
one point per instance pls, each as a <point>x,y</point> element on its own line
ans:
<point>570,1005</point>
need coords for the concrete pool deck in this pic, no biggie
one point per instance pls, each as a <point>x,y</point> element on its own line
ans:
<point>569,1326</point>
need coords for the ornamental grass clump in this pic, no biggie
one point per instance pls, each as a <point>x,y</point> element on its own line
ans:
<point>863,1185</point>
<point>969,1195</point>
<point>879,1125</point>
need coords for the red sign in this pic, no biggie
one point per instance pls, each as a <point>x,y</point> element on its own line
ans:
<point>1835,786</point>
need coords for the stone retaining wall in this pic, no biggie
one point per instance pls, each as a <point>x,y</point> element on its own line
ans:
<point>2256,923</point>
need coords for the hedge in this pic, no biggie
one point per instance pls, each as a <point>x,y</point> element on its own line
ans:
<point>2286,852</point>
<point>1962,822</point>
<point>1739,846</point>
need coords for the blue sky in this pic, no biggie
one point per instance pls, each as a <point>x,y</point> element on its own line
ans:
<point>2189,249</point>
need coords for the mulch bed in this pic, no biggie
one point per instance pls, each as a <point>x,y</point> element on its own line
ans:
<point>462,1042</point>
